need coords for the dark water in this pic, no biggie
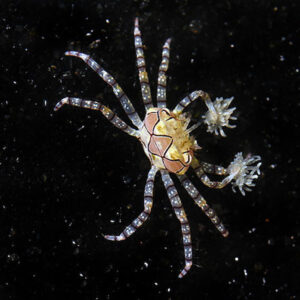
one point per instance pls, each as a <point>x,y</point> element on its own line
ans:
<point>68,177</point>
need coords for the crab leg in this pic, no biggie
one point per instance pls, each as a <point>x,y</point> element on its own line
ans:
<point>211,169</point>
<point>148,202</point>
<point>218,115</point>
<point>141,64</point>
<point>162,78</point>
<point>200,201</point>
<point>201,168</point>
<point>191,98</point>
<point>125,102</point>
<point>107,113</point>
<point>181,216</point>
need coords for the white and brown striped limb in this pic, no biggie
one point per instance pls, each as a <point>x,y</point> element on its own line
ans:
<point>181,216</point>
<point>212,169</point>
<point>218,114</point>
<point>191,98</point>
<point>202,168</point>
<point>142,217</point>
<point>141,65</point>
<point>200,201</point>
<point>107,113</point>
<point>162,78</point>
<point>122,97</point>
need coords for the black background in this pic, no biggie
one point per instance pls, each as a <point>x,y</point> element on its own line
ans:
<point>68,177</point>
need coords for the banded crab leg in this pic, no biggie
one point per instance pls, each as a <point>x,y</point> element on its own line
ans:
<point>122,97</point>
<point>142,217</point>
<point>162,78</point>
<point>241,172</point>
<point>202,168</point>
<point>211,168</point>
<point>107,113</point>
<point>218,114</point>
<point>200,201</point>
<point>141,64</point>
<point>181,216</point>
<point>191,98</point>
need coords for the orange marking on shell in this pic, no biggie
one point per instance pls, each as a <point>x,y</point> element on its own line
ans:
<point>175,166</point>
<point>150,121</point>
<point>159,144</point>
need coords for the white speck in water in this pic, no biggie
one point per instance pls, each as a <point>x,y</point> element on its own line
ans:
<point>89,33</point>
<point>107,21</point>
<point>282,58</point>
<point>245,273</point>
<point>252,230</point>
<point>146,264</point>
<point>80,128</point>
<point>232,46</point>
<point>236,258</point>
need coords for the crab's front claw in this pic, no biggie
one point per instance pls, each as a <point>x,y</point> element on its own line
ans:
<point>218,116</point>
<point>244,171</point>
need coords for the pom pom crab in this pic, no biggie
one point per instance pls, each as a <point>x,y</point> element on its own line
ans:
<point>166,140</point>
